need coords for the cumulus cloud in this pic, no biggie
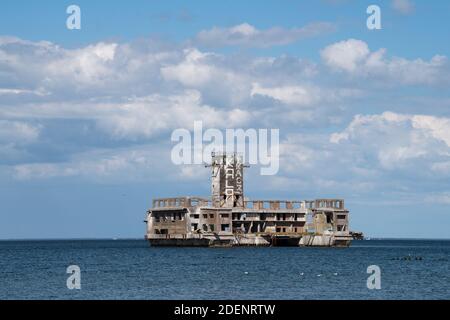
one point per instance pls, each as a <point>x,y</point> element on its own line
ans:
<point>346,55</point>
<point>89,65</point>
<point>147,116</point>
<point>123,96</point>
<point>303,95</point>
<point>355,58</point>
<point>141,163</point>
<point>399,141</point>
<point>249,36</point>
<point>193,71</point>
<point>132,118</point>
<point>99,69</point>
<point>299,95</point>
<point>388,155</point>
<point>102,163</point>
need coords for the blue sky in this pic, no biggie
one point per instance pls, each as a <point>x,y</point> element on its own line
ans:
<point>86,115</point>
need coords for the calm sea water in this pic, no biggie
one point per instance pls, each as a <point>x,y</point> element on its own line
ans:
<point>130,269</point>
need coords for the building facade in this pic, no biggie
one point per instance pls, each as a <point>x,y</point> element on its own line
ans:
<point>229,219</point>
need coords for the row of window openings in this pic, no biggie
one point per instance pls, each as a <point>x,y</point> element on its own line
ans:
<point>281,205</point>
<point>226,227</point>
<point>280,216</point>
<point>279,229</point>
<point>211,216</point>
<point>173,217</point>
<point>211,227</point>
<point>237,216</point>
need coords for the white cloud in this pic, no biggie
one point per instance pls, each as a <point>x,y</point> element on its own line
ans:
<point>94,164</point>
<point>354,57</point>
<point>114,95</point>
<point>299,95</point>
<point>249,36</point>
<point>220,81</point>
<point>398,141</point>
<point>304,95</point>
<point>403,6</point>
<point>89,64</point>
<point>193,71</point>
<point>133,118</point>
<point>148,116</point>
<point>387,155</point>
<point>10,91</point>
<point>142,163</point>
<point>18,132</point>
<point>438,128</point>
<point>346,55</point>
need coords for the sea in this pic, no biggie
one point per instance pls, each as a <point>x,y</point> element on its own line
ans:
<point>132,269</point>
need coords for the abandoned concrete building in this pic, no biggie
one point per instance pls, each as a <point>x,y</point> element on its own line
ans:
<point>230,219</point>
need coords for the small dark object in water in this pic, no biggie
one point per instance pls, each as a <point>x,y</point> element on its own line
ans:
<point>409,258</point>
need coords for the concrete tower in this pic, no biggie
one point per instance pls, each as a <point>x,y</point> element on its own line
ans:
<point>227,180</point>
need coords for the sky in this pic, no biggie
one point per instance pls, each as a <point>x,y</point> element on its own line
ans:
<point>86,116</point>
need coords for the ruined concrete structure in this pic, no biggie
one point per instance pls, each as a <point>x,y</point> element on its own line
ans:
<point>229,219</point>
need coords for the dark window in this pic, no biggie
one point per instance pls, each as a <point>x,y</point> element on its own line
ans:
<point>205,216</point>
<point>211,227</point>
<point>225,227</point>
<point>341,216</point>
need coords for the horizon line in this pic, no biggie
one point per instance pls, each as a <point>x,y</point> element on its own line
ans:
<point>142,238</point>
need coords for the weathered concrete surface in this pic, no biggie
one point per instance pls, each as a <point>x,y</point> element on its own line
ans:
<point>229,219</point>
